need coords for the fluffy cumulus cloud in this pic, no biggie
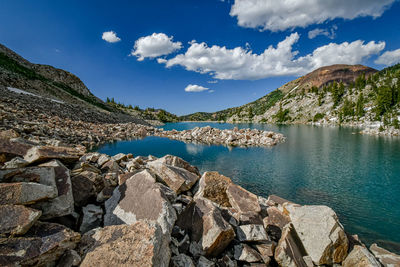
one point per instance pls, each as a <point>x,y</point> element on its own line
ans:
<point>242,64</point>
<point>331,34</point>
<point>287,14</point>
<point>155,45</point>
<point>195,88</point>
<point>110,37</point>
<point>389,58</point>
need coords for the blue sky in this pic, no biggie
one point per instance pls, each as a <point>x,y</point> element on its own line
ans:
<point>214,47</point>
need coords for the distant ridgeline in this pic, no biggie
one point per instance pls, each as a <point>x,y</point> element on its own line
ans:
<point>337,94</point>
<point>50,82</point>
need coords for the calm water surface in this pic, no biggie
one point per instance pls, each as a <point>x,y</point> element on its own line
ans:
<point>358,176</point>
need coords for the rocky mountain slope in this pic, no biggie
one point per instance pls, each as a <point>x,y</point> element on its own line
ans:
<point>339,94</point>
<point>46,82</point>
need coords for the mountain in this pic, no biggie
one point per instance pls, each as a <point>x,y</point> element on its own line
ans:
<point>59,85</point>
<point>337,94</point>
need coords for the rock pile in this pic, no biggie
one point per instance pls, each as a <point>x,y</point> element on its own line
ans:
<point>62,206</point>
<point>234,137</point>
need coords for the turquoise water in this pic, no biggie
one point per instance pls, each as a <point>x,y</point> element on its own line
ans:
<point>358,176</point>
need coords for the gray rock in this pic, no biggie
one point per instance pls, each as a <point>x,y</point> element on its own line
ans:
<point>43,153</point>
<point>25,193</point>
<point>119,157</point>
<point>182,260</point>
<point>251,232</point>
<point>360,256</point>
<point>69,259</point>
<point>320,231</point>
<point>387,258</point>
<point>140,198</point>
<point>178,162</point>
<point>178,179</point>
<point>244,252</point>
<point>16,162</point>
<point>204,262</point>
<point>103,159</point>
<point>17,219</point>
<point>92,218</point>
<point>140,244</point>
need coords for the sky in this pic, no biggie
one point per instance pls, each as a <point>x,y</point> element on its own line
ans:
<point>199,55</point>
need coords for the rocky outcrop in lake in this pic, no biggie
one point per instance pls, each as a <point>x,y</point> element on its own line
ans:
<point>66,207</point>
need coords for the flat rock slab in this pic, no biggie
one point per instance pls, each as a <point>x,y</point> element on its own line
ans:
<point>25,193</point>
<point>204,221</point>
<point>41,175</point>
<point>43,153</point>
<point>17,219</point>
<point>42,245</point>
<point>242,200</point>
<point>10,149</point>
<point>178,179</point>
<point>140,198</point>
<point>212,186</point>
<point>178,162</point>
<point>387,258</point>
<point>360,257</point>
<point>139,244</point>
<point>245,253</point>
<point>320,231</point>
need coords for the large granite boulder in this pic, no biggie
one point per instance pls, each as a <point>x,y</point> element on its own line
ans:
<point>176,178</point>
<point>276,217</point>
<point>320,231</point>
<point>204,221</point>
<point>290,251</point>
<point>12,148</point>
<point>42,245</point>
<point>140,198</point>
<point>212,186</point>
<point>25,193</point>
<point>86,185</point>
<point>387,258</point>
<point>41,175</point>
<point>242,200</point>
<point>360,257</point>
<point>251,232</point>
<point>139,244</point>
<point>43,153</point>
<point>178,162</point>
<point>17,219</point>
<point>63,204</point>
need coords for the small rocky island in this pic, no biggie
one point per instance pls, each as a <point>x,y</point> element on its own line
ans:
<point>63,206</point>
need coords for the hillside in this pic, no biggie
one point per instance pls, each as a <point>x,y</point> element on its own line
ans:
<point>339,94</point>
<point>43,82</point>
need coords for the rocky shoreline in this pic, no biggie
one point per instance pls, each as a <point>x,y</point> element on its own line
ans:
<point>66,207</point>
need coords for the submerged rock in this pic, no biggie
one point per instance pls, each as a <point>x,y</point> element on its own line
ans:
<point>139,244</point>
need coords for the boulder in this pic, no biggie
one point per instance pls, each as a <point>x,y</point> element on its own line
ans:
<point>204,262</point>
<point>360,257</point>
<point>276,218</point>
<point>139,244</point>
<point>266,250</point>
<point>251,232</point>
<point>140,198</point>
<point>242,200</point>
<point>181,260</point>
<point>245,253</point>
<point>63,204</point>
<point>86,185</point>
<point>8,134</point>
<point>103,158</point>
<point>15,163</point>
<point>10,149</point>
<point>90,157</point>
<point>125,176</point>
<point>178,162</point>
<point>119,157</point>
<point>92,218</point>
<point>25,193</point>
<point>42,175</point>
<point>387,258</point>
<point>290,251</point>
<point>17,219</point>
<point>178,179</point>
<point>43,153</point>
<point>274,200</point>
<point>42,245</point>
<point>320,231</point>
<point>204,221</point>
<point>212,186</point>
<point>69,258</point>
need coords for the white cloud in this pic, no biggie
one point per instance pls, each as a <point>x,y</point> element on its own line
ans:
<point>331,34</point>
<point>242,64</point>
<point>195,88</point>
<point>389,58</point>
<point>110,37</point>
<point>288,14</point>
<point>212,81</point>
<point>155,45</point>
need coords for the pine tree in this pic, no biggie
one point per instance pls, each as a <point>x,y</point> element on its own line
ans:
<point>360,106</point>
